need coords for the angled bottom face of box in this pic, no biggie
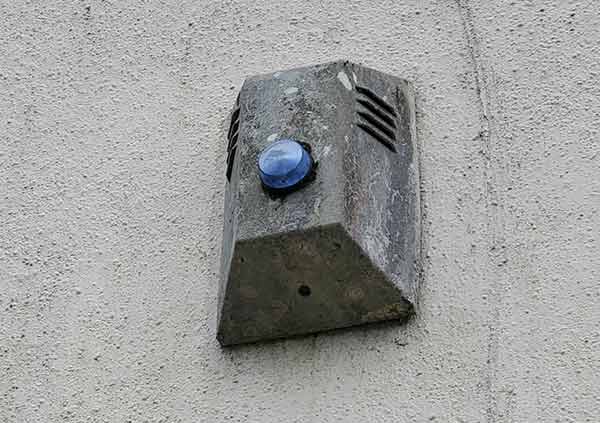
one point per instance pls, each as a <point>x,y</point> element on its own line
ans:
<point>329,284</point>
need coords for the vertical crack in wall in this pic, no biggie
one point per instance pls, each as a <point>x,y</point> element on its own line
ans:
<point>492,171</point>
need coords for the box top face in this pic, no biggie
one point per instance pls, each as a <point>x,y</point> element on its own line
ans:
<point>309,105</point>
<point>314,105</point>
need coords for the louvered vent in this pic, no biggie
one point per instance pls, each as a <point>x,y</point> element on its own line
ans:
<point>232,137</point>
<point>376,117</point>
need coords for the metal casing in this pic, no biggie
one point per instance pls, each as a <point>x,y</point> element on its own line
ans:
<point>345,248</point>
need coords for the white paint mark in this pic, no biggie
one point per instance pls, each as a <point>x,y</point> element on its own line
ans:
<point>316,210</point>
<point>355,78</point>
<point>276,74</point>
<point>344,80</point>
<point>272,137</point>
<point>291,90</point>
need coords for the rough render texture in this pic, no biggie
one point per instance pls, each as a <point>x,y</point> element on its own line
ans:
<point>111,213</point>
<point>351,235</point>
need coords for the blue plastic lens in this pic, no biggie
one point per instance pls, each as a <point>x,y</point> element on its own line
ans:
<point>284,164</point>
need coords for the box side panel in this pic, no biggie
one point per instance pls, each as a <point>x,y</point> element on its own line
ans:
<point>230,215</point>
<point>380,167</point>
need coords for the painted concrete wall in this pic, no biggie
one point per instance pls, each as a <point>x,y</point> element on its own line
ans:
<point>112,170</point>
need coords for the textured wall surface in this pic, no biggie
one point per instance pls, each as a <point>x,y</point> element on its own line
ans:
<point>112,120</point>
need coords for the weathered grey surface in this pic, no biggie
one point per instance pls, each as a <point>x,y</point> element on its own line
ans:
<point>350,237</point>
<point>111,176</point>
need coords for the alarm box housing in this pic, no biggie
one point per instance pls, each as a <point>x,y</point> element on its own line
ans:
<point>342,246</point>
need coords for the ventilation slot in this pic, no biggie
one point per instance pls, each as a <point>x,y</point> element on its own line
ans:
<point>376,99</point>
<point>374,110</point>
<point>387,143</point>
<point>230,157</point>
<point>377,124</point>
<point>376,117</point>
<point>232,138</point>
<point>233,135</point>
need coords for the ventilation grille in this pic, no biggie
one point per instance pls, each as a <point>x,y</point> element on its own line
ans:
<point>232,137</point>
<point>376,117</point>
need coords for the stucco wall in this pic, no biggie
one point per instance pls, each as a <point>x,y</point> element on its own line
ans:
<point>111,183</point>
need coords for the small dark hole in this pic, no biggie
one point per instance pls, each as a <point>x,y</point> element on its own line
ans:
<point>304,290</point>
<point>242,259</point>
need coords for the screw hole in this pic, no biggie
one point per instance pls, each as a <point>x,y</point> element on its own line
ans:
<point>304,290</point>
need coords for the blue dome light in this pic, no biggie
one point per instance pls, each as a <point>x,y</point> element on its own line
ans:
<point>284,164</point>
